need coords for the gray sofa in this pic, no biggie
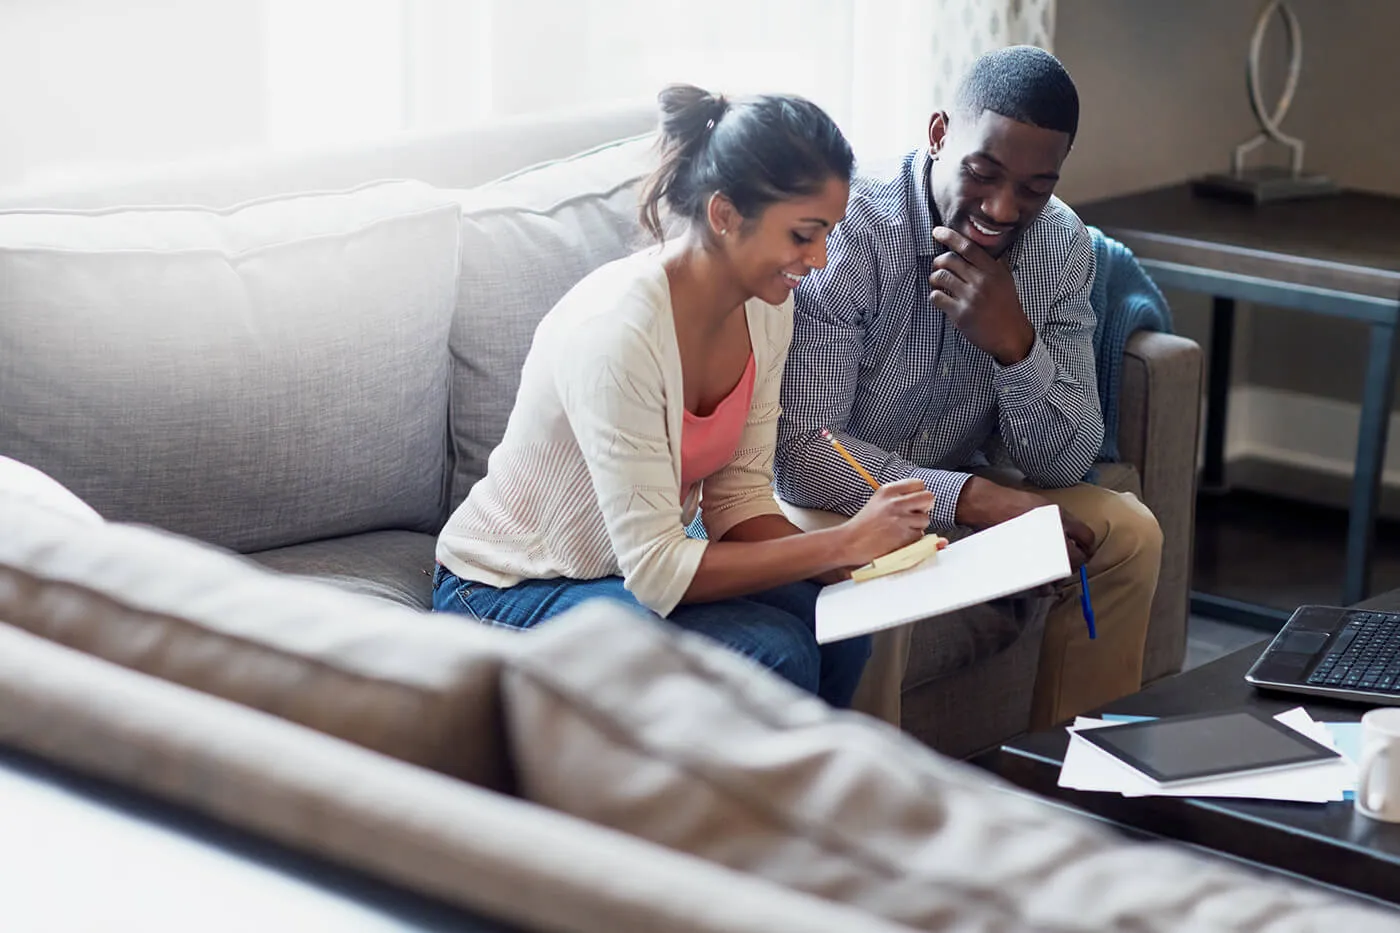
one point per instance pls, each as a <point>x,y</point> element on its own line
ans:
<point>326,421</point>
<point>313,380</point>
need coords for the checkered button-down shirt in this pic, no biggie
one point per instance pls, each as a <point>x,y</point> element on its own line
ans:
<point>899,384</point>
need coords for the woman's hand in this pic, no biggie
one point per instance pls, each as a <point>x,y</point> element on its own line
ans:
<point>896,515</point>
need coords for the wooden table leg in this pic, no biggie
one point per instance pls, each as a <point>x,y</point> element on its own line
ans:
<point>1370,460</point>
<point>1222,344</point>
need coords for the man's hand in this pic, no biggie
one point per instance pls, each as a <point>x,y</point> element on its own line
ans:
<point>984,503</point>
<point>978,295</point>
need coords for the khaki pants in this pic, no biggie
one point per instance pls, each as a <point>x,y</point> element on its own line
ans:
<point>1075,674</point>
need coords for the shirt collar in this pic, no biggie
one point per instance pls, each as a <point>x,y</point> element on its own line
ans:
<point>923,213</point>
<point>921,209</point>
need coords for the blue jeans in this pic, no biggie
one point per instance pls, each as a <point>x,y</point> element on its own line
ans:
<point>776,628</point>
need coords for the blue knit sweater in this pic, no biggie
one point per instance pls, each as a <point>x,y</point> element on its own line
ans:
<point>1125,300</point>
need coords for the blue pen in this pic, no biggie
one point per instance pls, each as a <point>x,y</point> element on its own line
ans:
<point>1084,601</point>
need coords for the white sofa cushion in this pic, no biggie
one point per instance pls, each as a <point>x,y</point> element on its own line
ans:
<point>523,866</point>
<point>632,724</point>
<point>421,687</point>
<point>36,488</point>
<point>526,240</point>
<point>258,376</point>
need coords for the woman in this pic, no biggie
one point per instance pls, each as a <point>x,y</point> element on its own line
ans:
<point>652,387</point>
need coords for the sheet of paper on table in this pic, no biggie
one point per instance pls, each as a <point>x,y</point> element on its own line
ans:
<point>1087,767</point>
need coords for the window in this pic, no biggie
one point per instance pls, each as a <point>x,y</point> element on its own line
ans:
<point>88,86</point>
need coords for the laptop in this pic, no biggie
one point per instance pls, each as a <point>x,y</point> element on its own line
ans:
<point>1328,651</point>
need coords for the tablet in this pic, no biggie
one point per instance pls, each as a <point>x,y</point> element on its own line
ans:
<point>1177,749</point>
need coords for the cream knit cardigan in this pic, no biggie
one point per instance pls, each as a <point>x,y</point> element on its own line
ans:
<point>586,481</point>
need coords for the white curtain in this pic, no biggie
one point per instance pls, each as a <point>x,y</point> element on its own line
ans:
<point>85,90</point>
<point>878,66</point>
<point>907,56</point>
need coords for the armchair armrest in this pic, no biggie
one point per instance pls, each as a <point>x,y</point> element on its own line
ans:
<point>1159,419</point>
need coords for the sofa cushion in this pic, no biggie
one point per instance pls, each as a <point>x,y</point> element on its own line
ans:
<point>392,565</point>
<point>1120,477</point>
<point>524,865</point>
<point>21,481</point>
<point>526,240</point>
<point>258,376</point>
<point>632,724</point>
<point>420,687</point>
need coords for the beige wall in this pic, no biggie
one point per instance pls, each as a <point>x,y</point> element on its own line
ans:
<point>1163,99</point>
<point>1163,96</point>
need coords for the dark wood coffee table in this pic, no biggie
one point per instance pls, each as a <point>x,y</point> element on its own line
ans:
<point>1329,843</point>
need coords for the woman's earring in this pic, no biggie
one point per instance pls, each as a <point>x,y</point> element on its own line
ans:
<point>723,231</point>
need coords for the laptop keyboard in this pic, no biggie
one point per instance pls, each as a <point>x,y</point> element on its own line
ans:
<point>1365,656</point>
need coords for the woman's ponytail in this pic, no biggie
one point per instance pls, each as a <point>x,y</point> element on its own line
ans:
<point>754,151</point>
<point>689,116</point>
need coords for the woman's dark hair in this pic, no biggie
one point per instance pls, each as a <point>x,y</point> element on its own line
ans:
<point>754,151</point>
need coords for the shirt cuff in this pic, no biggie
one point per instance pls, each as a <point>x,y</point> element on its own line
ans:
<point>946,487</point>
<point>1026,382</point>
<point>661,588</point>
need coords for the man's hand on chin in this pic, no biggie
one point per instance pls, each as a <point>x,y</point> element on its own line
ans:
<point>978,294</point>
<point>984,503</point>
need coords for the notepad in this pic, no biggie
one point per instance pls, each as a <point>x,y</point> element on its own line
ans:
<point>1016,555</point>
<point>926,548</point>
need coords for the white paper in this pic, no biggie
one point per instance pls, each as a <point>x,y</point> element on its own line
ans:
<point>1088,767</point>
<point>1008,558</point>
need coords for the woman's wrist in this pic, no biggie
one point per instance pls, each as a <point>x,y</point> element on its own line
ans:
<point>835,543</point>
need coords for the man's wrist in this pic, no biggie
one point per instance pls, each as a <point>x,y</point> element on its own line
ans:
<point>970,512</point>
<point>1028,382</point>
<point>1018,348</point>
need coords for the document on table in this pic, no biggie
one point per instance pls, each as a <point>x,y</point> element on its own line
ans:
<point>1014,556</point>
<point>1088,767</point>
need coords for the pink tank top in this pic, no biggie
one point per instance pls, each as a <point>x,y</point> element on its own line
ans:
<point>709,443</point>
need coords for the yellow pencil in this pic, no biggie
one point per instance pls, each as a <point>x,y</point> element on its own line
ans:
<point>855,465</point>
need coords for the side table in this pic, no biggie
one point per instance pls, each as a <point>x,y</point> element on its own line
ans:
<point>1337,255</point>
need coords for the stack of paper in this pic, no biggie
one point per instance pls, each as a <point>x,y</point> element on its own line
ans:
<point>1087,767</point>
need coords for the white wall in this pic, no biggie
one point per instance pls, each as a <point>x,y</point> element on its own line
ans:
<point>90,82</point>
<point>1163,95</point>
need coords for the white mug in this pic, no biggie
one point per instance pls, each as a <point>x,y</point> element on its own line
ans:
<point>1378,777</point>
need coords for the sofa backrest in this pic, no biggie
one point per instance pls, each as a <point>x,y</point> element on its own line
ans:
<point>254,377</point>
<point>142,365</point>
<point>455,157</point>
<point>526,240</point>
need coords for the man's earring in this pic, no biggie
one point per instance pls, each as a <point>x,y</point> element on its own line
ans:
<point>723,231</point>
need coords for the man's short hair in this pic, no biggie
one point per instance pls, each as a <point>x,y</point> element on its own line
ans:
<point>1022,83</point>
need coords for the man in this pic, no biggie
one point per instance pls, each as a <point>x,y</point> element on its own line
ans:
<point>950,337</point>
